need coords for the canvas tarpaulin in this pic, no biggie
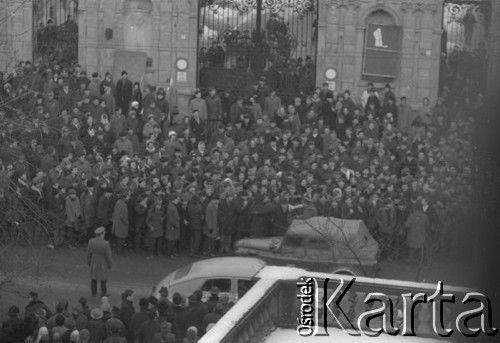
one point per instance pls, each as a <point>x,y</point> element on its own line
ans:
<point>346,237</point>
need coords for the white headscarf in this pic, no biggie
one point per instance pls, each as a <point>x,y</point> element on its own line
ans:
<point>42,332</point>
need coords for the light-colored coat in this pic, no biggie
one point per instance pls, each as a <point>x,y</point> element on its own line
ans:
<point>73,210</point>
<point>99,258</point>
<point>120,219</point>
<point>211,227</point>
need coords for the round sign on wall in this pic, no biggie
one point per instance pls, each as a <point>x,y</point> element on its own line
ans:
<point>330,73</point>
<point>181,64</point>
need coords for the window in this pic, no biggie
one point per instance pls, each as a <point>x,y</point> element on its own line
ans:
<point>382,50</point>
<point>224,285</point>
<point>319,249</point>
<point>293,245</point>
<point>244,286</point>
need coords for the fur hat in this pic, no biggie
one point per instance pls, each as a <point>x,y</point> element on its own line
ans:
<point>96,313</point>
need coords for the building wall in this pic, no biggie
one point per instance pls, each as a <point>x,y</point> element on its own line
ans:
<point>494,51</point>
<point>168,29</point>
<point>342,26</point>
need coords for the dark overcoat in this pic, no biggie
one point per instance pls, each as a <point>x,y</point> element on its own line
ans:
<point>99,258</point>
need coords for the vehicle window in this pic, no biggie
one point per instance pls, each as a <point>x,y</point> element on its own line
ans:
<point>293,245</point>
<point>293,241</point>
<point>319,249</point>
<point>244,286</point>
<point>224,285</point>
<point>180,273</point>
<point>318,244</point>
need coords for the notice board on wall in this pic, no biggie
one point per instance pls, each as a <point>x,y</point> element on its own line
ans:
<point>134,62</point>
<point>382,50</point>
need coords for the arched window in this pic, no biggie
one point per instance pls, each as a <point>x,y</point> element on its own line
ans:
<point>382,46</point>
<point>380,17</point>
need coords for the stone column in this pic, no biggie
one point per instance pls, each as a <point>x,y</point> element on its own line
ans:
<point>494,51</point>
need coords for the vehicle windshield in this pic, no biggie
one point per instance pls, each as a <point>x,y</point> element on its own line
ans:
<point>180,273</point>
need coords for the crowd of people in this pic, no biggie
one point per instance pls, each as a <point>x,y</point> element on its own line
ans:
<point>155,320</point>
<point>95,152</point>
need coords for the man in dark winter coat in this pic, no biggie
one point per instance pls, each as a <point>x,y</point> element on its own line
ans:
<point>180,315</point>
<point>127,310</point>
<point>195,217</point>
<point>138,318</point>
<point>215,110</point>
<point>196,312</point>
<point>226,215</point>
<point>261,212</point>
<point>124,90</point>
<point>13,329</point>
<point>242,205</point>
<point>36,304</point>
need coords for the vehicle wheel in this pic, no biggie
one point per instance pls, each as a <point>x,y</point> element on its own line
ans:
<point>344,271</point>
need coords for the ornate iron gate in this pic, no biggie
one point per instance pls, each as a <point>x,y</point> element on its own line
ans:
<point>55,31</point>
<point>466,26</point>
<point>240,41</point>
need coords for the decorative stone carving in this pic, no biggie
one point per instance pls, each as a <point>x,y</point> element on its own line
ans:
<point>344,3</point>
<point>413,6</point>
<point>142,5</point>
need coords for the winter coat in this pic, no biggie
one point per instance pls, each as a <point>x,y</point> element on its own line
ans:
<point>120,219</point>
<point>73,211</point>
<point>214,107</point>
<point>196,312</point>
<point>259,225</point>
<point>173,225</point>
<point>180,315</point>
<point>127,310</point>
<point>242,215</point>
<point>386,220</point>
<point>103,210</point>
<point>155,222</point>
<point>147,330</point>
<point>124,90</point>
<point>211,227</point>
<point>89,208</point>
<point>417,225</point>
<point>195,214</point>
<point>99,258</point>
<point>200,105</point>
<point>97,331</point>
<point>226,215</point>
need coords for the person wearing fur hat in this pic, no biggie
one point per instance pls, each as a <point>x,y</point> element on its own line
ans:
<point>99,260</point>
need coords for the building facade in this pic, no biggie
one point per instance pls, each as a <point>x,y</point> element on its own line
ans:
<point>346,43</point>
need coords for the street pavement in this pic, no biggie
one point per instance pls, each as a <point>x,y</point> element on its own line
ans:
<point>63,274</point>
